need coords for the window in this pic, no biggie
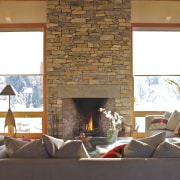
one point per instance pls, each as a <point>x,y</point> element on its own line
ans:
<point>155,70</point>
<point>22,66</point>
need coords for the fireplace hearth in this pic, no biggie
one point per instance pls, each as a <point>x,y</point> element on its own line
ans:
<point>82,115</point>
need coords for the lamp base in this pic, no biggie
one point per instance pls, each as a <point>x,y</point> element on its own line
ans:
<point>11,131</point>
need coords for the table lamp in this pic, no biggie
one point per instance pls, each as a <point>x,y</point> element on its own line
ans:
<point>9,121</point>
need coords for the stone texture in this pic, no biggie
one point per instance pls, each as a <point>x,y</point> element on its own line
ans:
<point>88,42</point>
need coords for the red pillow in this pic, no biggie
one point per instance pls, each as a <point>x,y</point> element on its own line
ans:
<point>115,152</point>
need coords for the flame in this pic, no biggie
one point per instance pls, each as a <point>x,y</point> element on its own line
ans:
<point>89,125</point>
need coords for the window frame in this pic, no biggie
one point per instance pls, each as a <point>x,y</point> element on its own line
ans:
<point>141,26</point>
<point>43,113</point>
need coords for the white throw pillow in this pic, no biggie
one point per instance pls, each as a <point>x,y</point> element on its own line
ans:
<point>167,150</point>
<point>167,114</point>
<point>177,129</point>
<point>137,149</point>
<point>57,148</point>
<point>155,139</point>
<point>143,147</point>
<point>173,120</point>
<point>20,149</point>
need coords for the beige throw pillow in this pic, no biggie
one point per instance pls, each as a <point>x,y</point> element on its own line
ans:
<point>155,139</point>
<point>173,120</point>
<point>167,150</point>
<point>52,144</point>
<point>177,129</point>
<point>3,152</point>
<point>57,148</point>
<point>143,147</point>
<point>20,149</point>
<point>137,149</point>
<point>13,144</point>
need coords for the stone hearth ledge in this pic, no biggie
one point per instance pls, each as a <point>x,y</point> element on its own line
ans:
<point>89,91</point>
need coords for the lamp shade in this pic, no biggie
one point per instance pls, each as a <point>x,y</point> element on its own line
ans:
<point>8,90</point>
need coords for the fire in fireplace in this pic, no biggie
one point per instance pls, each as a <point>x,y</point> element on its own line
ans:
<point>82,115</point>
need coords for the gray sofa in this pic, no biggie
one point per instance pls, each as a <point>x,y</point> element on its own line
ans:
<point>90,169</point>
<point>54,159</point>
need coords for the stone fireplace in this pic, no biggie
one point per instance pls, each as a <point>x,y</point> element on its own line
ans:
<point>80,104</point>
<point>88,58</point>
<point>81,114</point>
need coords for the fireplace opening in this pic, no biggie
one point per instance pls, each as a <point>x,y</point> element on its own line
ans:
<point>82,115</point>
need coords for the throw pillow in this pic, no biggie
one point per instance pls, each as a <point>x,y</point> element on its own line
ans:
<point>174,120</point>
<point>57,148</point>
<point>115,152</point>
<point>52,144</point>
<point>177,129</point>
<point>167,114</point>
<point>3,152</point>
<point>1,140</point>
<point>158,123</point>
<point>167,150</point>
<point>21,149</point>
<point>155,139</point>
<point>13,144</point>
<point>137,149</point>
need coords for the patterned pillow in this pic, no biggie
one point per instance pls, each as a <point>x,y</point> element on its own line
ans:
<point>115,152</point>
<point>158,123</point>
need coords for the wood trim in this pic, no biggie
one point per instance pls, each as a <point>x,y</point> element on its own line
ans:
<point>156,25</point>
<point>21,0</point>
<point>42,114</point>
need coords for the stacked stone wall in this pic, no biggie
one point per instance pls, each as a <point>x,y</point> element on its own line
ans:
<point>88,43</point>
